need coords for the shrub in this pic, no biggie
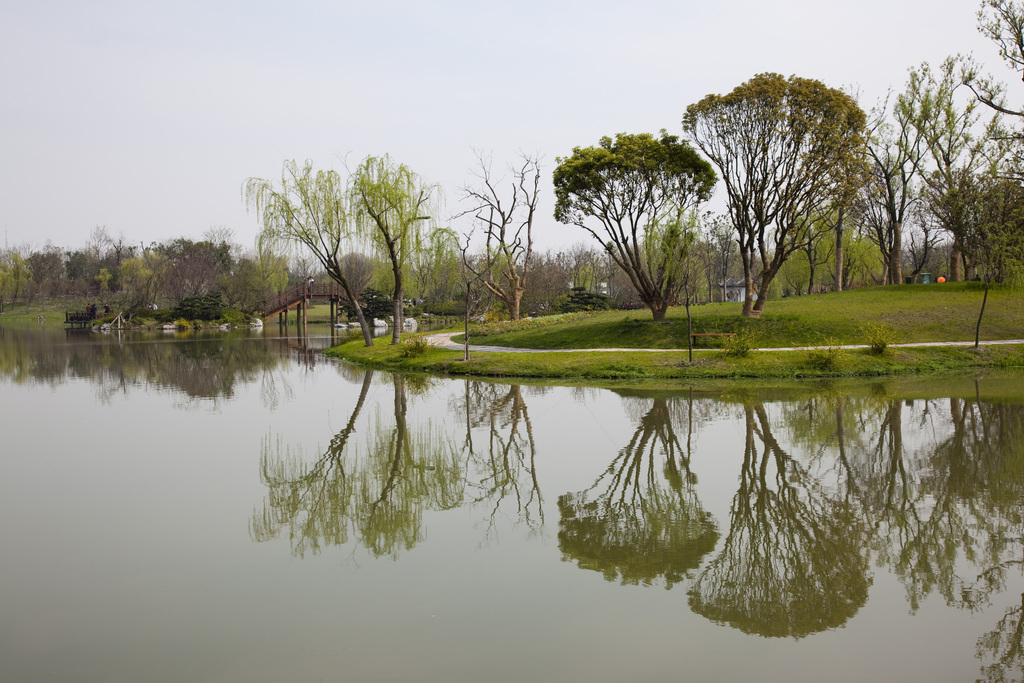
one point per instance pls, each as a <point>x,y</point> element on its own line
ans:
<point>447,308</point>
<point>495,314</point>
<point>206,307</point>
<point>183,324</point>
<point>740,344</point>
<point>880,336</point>
<point>582,300</point>
<point>827,356</point>
<point>414,347</point>
<point>374,304</point>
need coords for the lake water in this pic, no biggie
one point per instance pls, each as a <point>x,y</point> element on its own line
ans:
<point>233,507</point>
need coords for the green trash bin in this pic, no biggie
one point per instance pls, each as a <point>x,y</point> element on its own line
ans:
<point>908,280</point>
<point>926,278</point>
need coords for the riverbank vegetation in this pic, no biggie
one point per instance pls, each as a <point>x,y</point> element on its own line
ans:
<point>878,318</point>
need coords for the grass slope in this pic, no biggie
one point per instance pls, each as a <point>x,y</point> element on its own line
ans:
<point>916,313</point>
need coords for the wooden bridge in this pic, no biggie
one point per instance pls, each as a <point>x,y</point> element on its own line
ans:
<point>300,297</point>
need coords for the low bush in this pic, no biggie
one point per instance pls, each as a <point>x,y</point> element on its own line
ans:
<point>206,307</point>
<point>880,336</point>
<point>414,347</point>
<point>740,344</point>
<point>581,300</point>
<point>828,356</point>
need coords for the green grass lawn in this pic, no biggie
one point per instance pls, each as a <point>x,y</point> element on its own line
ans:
<point>916,313</point>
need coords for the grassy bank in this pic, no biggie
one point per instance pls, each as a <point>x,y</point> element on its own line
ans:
<point>911,314</point>
<point>674,365</point>
<point>916,313</point>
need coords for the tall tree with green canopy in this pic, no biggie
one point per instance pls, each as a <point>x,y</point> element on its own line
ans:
<point>959,143</point>
<point>897,151</point>
<point>390,202</point>
<point>309,209</point>
<point>784,147</point>
<point>637,196</point>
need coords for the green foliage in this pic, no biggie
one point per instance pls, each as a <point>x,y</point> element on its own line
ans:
<point>374,303</point>
<point>183,324</point>
<point>390,204</point>
<point>826,357</point>
<point>740,344</point>
<point>445,308</point>
<point>785,147</point>
<point>414,347</point>
<point>581,300</point>
<point>880,336</point>
<point>636,195</point>
<point>206,307</point>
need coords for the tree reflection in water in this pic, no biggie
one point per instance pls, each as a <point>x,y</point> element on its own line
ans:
<point>943,506</point>
<point>504,467</point>
<point>645,521</point>
<point>795,560</point>
<point>378,492</point>
<point>198,366</point>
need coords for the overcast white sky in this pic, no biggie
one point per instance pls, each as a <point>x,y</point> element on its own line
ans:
<point>147,116</point>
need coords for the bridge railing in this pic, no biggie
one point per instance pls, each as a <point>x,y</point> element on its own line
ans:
<point>296,293</point>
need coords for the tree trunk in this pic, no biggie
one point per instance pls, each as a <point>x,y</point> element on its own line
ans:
<point>762,294</point>
<point>955,274</point>
<point>360,316</point>
<point>466,336</point>
<point>839,256</point>
<point>977,329</point>
<point>658,309</point>
<point>689,331</point>
<point>896,256</point>
<point>397,300</point>
<point>748,297</point>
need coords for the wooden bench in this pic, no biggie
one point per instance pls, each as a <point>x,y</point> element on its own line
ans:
<point>695,335</point>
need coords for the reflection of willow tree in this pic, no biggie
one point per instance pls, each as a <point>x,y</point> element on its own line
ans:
<point>1001,650</point>
<point>795,560</point>
<point>504,469</point>
<point>646,522</point>
<point>379,494</point>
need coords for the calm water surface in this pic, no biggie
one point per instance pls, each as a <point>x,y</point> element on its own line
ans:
<point>233,507</point>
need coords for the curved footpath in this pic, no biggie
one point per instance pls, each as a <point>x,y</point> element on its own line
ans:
<point>444,341</point>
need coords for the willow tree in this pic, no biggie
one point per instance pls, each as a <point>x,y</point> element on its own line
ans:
<point>390,202</point>
<point>784,148</point>
<point>309,209</point>
<point>637,196</point>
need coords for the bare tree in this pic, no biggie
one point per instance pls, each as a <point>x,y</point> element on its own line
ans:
<point>507,222</point>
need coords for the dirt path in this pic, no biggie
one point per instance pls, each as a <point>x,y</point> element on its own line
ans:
<point>444,341</point>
